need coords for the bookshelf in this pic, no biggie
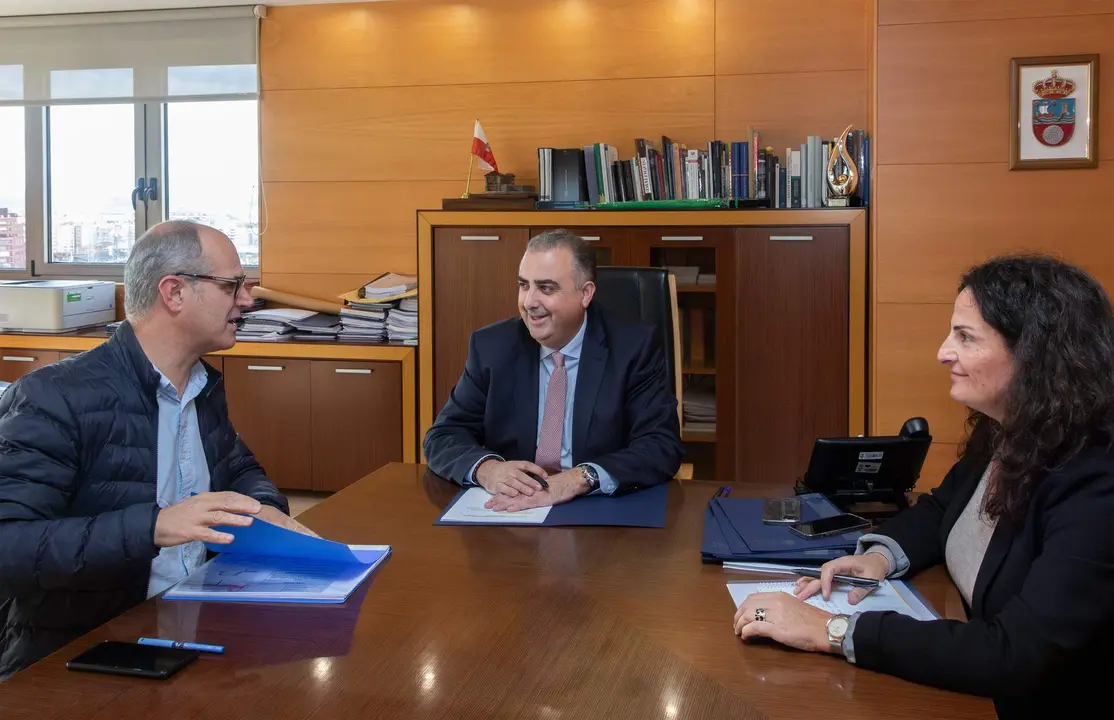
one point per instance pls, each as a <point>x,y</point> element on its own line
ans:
<point>772,307</point>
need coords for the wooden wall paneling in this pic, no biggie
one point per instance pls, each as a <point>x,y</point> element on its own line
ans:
<point>910,381</point>
<point>935,221</point>
<point>752,36</point>
<point>785,109</point>
<point>485,41</point>
<point>325,286</point>
<point>907,12</point>
<point>792,376</point>
<point>941,456</point>
<point>360,227</point>
<point>946,86</point>
<point>471,258</point>
<point>415,133</point>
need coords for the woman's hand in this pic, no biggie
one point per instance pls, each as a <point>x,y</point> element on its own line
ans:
<point>786,619</point>
<point>869,565</point>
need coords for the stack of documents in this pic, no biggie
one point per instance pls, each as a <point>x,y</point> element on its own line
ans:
<point>402,321</point>
<point>363,324</point>
<point>733,530</point>
<point>389,285</point>
<point>270,324</point>
<point>268,563</point>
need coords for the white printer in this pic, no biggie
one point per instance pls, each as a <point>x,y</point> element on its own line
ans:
<point>55,306</point>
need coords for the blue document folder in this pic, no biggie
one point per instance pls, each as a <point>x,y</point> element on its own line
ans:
<point>733,530</point>
<point>641,508</point>
<point>268,563</point>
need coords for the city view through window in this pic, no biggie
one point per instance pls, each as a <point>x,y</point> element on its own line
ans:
<point>211,176</point>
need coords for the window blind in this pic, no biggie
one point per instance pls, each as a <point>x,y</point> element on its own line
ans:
<point>153,56</point>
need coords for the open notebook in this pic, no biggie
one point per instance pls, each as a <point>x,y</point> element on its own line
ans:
<point>268,563</point>
<point>892,595</point>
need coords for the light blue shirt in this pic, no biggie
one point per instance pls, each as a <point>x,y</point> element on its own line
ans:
<point>571,353</point>
<point>182,471</point>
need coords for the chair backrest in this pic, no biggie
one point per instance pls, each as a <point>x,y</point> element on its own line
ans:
<point>644,295</point>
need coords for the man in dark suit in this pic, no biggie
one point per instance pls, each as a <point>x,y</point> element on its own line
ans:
<point>561,393</point>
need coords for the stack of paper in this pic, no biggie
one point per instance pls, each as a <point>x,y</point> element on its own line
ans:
<point>402,321</point>
<point>733,530</point>
<point>268,563</point>
<point>270,324</point>
<point>361,324</point>
<point>389,285</point>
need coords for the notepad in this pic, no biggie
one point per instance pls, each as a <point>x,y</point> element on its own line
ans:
<point>268,563</point>
<point>891,595</point>
<point>470,509</point>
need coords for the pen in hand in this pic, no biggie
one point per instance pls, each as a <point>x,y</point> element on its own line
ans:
<point>845,579</point>
<point>539,478</point>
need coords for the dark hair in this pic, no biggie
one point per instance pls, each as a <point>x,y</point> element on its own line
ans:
<point>1057,323</point>
<point>584,260</point>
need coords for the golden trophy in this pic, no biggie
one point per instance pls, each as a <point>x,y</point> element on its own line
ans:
<point>843,176</point>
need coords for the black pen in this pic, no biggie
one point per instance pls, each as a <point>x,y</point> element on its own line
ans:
<point>540,479</point>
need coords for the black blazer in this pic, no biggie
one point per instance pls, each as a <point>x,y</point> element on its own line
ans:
<point>624,412</point>
<point>1040,634</point>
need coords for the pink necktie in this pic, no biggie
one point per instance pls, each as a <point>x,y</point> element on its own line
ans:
<point>553,420</point>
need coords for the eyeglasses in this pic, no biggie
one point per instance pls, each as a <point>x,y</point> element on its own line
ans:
<point>237,282</point>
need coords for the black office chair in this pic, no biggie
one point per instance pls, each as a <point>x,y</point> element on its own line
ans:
<point>646,295</point>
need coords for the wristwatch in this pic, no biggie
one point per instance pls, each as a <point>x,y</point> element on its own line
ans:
<point>590,476</point>
<point>837,630</point>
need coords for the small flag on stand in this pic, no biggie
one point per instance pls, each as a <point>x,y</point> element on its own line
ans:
<point>482,150</point>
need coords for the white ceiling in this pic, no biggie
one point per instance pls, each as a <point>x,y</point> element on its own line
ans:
<point>52,7</point>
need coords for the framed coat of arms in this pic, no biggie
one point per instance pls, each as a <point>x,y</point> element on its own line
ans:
<point>1054,112</point>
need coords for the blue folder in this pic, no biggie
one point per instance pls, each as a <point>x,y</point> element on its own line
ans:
<point>733,530</point>
<point>641,508</point>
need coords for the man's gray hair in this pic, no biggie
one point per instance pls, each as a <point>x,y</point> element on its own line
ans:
<point>167,248</point>
<point>584,260</point>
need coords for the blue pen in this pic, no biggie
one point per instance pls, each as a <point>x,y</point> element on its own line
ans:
<point>200,647</point>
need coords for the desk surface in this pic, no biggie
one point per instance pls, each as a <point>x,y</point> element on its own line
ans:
<point>487,622</point>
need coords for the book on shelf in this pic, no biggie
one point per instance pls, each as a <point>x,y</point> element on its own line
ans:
<point>738,173</point>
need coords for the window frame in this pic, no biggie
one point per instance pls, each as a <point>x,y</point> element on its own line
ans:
<point>150,154</point>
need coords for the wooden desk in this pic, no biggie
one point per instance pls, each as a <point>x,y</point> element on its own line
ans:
<point>487,623</point>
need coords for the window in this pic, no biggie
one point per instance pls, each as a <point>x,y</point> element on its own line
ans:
<point>112,122</point>
<point>212,169</point>
<point>13,229</point>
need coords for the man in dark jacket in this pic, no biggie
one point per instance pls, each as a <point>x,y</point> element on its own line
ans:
<point>116,465</point>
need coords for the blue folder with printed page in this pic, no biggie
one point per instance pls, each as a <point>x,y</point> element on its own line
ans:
<point>268,563</point>
<point>733,530</point>
<point>641,508</point>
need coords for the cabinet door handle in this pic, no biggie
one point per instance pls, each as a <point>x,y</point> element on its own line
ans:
<point>275,368</point>
<point>352,371</point>
<point>19,358</point>
<point>479,238</point>
<point>590,238</point>
<point>682,238</point>
<point>791,238</point>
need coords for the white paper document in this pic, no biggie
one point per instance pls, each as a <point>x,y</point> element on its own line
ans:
<point>890,595</point>
<point>470,508</point>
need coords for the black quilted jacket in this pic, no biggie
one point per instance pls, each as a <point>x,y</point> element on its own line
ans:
<point>78,477</point>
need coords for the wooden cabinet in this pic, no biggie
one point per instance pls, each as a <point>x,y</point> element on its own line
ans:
<point>483,266</point>
<point>356,420</point>
<point>772,320</point>
<point>791,346</point>
<point>15,363</point>
<point>269,405</point>
<point>610,245</point>
<point>216,361</point>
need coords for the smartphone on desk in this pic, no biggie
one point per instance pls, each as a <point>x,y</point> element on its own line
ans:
<point>835,525</point>
<point>124,658</point>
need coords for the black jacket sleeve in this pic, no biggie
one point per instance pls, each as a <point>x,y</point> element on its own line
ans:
<point>1066,600</point>
<point>455,441</point>
<point>42,549</point>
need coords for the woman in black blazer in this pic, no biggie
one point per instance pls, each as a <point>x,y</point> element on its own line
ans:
<point>1024,521</point>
